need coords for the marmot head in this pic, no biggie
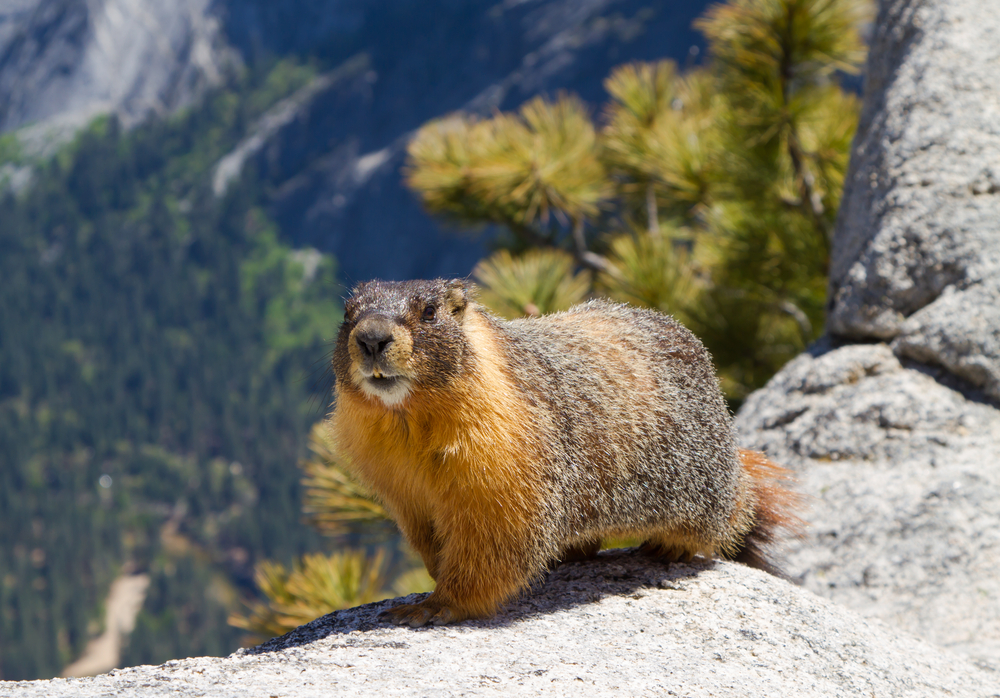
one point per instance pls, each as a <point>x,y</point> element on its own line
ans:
<point>398,337</point>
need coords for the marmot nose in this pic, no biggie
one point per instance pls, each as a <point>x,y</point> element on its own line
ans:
<point>373,335</point>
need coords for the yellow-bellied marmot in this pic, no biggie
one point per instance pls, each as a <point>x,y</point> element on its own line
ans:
<point>499,447</point>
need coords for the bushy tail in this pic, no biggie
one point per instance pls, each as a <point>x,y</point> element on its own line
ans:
<point>774,513</point>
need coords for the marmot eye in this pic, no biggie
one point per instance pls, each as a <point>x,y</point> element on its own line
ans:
<point>429,312</point>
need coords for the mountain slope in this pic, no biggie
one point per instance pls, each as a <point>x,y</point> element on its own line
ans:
<point>63,63</point>
<point>156,346</point>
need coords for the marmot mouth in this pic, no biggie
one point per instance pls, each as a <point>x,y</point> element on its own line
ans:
<point>384,382</point>
<point>391,390</point>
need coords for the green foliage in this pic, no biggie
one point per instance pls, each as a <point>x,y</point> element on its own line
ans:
<point>786,131</point>
<point>278,286</point>
<point>531,171</point>
<point>782,46</point>
<point>545,162</point>
<point>775,60</point>
<point>161,337</point>
<point>537,282</point>
<point>661,140</point>
<point>315,585</point>
<point>652,271</point>
<point>10,149</point>
<point>335,502</point>
<point>280,80</point>
<point>720,186</point>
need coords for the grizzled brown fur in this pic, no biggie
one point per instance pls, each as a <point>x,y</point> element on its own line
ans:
<point>500,447</point>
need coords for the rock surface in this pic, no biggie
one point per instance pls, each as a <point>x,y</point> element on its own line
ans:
<point>916,257</point>
<point>897,442</point>
<point>618,626</point>
<point>904,491</point>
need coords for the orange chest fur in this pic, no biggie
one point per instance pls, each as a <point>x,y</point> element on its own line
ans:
<point>429,453</point>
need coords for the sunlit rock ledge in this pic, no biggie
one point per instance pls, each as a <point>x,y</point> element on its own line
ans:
<point>622,625</point>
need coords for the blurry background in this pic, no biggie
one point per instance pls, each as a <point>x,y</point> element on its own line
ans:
<point>188,187</point>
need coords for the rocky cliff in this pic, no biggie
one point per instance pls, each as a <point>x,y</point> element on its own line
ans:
<point>64,62</point>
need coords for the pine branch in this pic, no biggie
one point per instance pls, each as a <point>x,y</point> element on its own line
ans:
<point>588,259</point>
<point>811,200</point>
<point>652,215</point>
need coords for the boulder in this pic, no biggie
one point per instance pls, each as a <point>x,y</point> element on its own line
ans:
<point>621,625</point>
<point>903,491</point>
<point>916,254</point>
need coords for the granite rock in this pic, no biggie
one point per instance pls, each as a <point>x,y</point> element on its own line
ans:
<point>896,438</point>
<point>64,63</point>
<point>903,491</point>
<point>916,256</point>
<point>620,625</point>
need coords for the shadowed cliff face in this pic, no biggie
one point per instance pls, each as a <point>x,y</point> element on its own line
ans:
<point>331,175</point>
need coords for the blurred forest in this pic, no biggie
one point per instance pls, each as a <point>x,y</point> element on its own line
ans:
<point>161,361</point>
<point>709,194</point>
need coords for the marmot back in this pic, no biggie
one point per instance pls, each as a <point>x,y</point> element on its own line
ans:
<point>635,414</point>
<point>500,447</point>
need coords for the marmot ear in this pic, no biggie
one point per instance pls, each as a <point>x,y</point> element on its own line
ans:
<point>457,295</point>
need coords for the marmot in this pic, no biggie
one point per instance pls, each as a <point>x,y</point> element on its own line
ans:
<point>500,446</point>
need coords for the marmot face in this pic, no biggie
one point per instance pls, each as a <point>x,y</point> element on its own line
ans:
<point>398,336</point>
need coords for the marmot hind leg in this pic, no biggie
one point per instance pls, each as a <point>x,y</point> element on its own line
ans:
<point>671,546</point>
<point>578,552</point>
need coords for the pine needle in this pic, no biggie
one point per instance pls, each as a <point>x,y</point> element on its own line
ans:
<point>315,585</point>
<point>538,282</point>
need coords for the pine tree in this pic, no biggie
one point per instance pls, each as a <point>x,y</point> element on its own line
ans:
<point>315,586</point>
<point>540,281</point>
<point>537,173</point>
<point>710,195</point>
